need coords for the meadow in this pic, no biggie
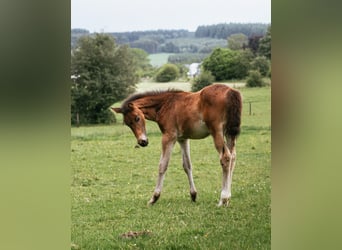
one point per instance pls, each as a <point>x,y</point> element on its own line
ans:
<point>112,181</point>
<point>159,59</point>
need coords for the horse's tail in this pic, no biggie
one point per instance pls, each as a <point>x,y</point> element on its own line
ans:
<point>234,108</point>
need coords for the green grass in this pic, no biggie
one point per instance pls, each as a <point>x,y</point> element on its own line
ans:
<point>147,86</point>
<point>112,182</point>
<point>159,59</point>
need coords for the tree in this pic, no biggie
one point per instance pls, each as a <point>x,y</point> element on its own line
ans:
<point>104,73</point>
<point>203,80</point>
<point>253,43</point>
<point>150,46</point>
<point>237,41</point>
<point>142,61</point>
<point>226,64</point>
<point>261,64</point>
<point>222,31</point>
<point>169,47</point>
<point>254,79</point>
<point>167,73</point>
<point>265,44</point>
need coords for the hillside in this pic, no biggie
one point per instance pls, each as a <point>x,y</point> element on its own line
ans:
<point>202,41</point>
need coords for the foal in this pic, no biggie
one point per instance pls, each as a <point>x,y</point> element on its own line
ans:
<point>214,110</point>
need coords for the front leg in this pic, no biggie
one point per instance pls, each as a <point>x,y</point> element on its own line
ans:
<point>185,147</point>
<point>167,146</point>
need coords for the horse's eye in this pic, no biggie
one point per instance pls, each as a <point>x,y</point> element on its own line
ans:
<point>137,118</point>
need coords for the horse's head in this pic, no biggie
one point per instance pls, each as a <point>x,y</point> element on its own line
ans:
<point>135,119</point>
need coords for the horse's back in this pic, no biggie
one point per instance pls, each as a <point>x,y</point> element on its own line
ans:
<point>221,107</point>
<point>214,96</point>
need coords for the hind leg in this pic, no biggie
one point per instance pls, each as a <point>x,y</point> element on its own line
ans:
<point>231,146</point>
<point>225,160</point>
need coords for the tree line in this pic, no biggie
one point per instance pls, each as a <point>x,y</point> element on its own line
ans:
<point>224,30</point>
<point>157,35</point>
<point>203,40</point>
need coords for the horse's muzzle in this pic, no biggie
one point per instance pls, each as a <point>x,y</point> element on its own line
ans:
<point>143,143</point>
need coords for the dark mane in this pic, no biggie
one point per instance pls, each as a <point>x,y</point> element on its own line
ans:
<point>137,96</point>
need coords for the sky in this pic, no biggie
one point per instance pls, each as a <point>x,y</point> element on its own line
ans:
<point>139,15</point>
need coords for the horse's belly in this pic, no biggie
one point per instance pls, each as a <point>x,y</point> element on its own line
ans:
<point>199,131</point>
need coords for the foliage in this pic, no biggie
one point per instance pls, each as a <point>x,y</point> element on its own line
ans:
<point>111,182</point>
<point>186,44</point>
<point>182,71</point>
<point>204,40</point>
<point>142,61</point>
<point>77,34</point>
<point>157,35</point>
<point>265,44</point>
<point>104,73</point>
<point>169,47</point>
<point>253,43</point>
<point>254,79</point>
<point>226,64</point>
<point>224,30</point>
<point>261,64</point>
<point>203,80</point>
<point>167,73</point>
<point>153,41</point>
<point>237,41</point>
<point>150,46</point>
<point>243,64</point>
<point>269,73</point>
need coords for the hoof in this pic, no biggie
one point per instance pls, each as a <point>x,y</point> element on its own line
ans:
<point>193,196</point>
<point>224,202</point>
<point>154,199</point>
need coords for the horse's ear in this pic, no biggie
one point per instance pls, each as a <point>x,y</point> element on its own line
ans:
<point>117,110</point>
<point>130,106</point>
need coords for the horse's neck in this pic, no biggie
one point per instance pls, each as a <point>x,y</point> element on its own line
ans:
<point>151,105</point>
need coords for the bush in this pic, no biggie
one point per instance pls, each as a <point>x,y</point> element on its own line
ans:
<point>269,74</point>
<point>204,79</point>
<point>254,79</point>
<point>226,64</point>
<point>167,73</point>
<point>261,64</point>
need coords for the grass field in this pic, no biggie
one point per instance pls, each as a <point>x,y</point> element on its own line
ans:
<point>112,182</point>
<point>186,86</point>
<point>147,86</point>
<point>159,59</point>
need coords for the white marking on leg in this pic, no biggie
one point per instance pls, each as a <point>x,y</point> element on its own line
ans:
<point>227,192</point>
<point>163,164</point>
<point>185,147</point>
<point>225,159</point>
<point>231,171</point>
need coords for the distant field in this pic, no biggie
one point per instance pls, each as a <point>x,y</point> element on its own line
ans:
<point>186,86</point>
<point>146,86</point>
<point>159,59</point>
<point>112,181</point>
<point>199,42</point>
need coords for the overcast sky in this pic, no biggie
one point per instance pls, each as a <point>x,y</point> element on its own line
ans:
<point>134,15</point>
